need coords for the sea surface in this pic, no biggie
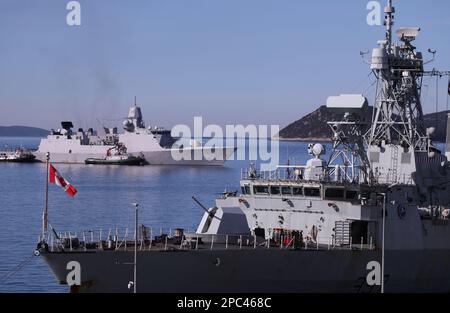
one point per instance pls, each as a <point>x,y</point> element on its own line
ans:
<point>104,198</point>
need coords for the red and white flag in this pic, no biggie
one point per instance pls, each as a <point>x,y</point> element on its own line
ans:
<point>55,178</point>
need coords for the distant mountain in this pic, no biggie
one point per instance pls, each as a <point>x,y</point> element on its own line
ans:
<point>439,121</point>
<point>314,127</point>
<point>22,131</point>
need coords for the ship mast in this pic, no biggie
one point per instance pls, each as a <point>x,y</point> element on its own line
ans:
<point>389,22</point>
<point>398,116</point>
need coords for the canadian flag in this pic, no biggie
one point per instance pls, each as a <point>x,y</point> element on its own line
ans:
<point>55,178</point>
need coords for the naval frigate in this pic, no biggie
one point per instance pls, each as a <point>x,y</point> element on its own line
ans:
<point>373,217</point>
<point>154,144</point>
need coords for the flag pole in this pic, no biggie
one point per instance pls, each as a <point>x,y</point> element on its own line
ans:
<point>45,214</point>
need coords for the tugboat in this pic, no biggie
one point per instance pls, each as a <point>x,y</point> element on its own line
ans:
<point>21,155</point>
<point>117,156</point>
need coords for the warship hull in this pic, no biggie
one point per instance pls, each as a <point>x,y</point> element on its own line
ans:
<point>69,158</point>
<point>283,271</point>
<point>161,157</point>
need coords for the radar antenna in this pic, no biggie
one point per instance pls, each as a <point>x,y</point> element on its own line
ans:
<point>398,116</point>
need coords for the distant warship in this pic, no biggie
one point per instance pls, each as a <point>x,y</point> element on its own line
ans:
<point>155,144</point>
<point>374,217</point>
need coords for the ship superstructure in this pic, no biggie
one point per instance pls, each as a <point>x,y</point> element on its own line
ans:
<point>380,201</point>
<point>67,146</point>
<point>154,144</point>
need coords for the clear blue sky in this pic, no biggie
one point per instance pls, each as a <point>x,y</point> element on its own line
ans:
<point>230,61</point>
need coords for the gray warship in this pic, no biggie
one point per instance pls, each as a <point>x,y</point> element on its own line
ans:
<point>154,144</point>
<point>373,217</point>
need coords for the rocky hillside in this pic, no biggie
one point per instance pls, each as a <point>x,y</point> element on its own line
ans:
<point>314,127</point>
<point>438,120</point>
<point>22,131</point>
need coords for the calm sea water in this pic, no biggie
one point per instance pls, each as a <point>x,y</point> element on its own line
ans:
<point>103,201</point>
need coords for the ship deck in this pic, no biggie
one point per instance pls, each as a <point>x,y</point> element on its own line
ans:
<point>70,243</point>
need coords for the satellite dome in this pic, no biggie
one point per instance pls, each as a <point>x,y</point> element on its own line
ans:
<point>318,149</point>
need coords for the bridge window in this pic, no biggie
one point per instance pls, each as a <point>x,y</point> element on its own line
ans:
<point>261,190</point>
<point>274,190</point>
<point>297,191</point>
<point>312,192</point>
<point>246,190</point>
<point>286,191</point>
<point>334,193</point>
<point>351,195</point>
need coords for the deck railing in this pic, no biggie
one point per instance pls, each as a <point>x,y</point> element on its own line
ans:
<point>116,239</point>
<point>296,173</point>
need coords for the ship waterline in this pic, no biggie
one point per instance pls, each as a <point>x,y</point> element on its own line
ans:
<point>215,157</point>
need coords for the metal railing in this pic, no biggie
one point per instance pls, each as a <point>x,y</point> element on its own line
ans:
<point>280,174</point>
<point>392,178</point>
<point>123,240</point>
<point>296,173</point>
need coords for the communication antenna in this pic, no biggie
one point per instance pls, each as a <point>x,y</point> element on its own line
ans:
<point>363,55</point>
<point>433,52</point>
<point>389,21</point>
<point>437,100</point>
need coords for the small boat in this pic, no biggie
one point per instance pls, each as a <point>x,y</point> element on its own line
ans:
<point>19,156</point>
<point>116,160</point>
<point>117,156</point>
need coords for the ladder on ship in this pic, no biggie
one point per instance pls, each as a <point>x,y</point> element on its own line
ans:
<point>394,165</point>
<point>342,233</point>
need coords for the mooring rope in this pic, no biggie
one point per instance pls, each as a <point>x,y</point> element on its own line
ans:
<point>17,268</point>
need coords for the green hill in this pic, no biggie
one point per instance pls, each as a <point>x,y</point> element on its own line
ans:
<point>314,127</point>
<point>22,131</point>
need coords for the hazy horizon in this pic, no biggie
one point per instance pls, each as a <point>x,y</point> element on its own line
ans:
<point>232,62</point>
